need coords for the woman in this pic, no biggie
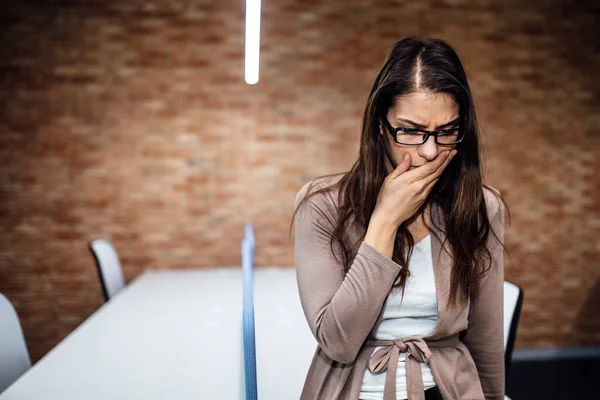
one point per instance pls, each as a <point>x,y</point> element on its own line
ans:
<point>400,260</point>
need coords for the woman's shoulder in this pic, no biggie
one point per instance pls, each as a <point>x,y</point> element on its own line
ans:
<point>493,200</point>
<point>329,196</point>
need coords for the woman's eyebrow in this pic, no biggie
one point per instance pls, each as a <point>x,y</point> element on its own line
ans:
<point>416,125</point>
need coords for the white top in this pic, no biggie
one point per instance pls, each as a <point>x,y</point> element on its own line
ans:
<point>415,315</point>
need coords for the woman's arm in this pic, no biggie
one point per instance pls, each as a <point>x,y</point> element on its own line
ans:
<point>340,310</point>
<point>485,332</point>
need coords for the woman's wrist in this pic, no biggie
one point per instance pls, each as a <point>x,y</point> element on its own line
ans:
<point>384,224</point>
<point>381,235</point>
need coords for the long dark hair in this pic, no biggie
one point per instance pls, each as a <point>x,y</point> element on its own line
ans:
<point>432,66</point>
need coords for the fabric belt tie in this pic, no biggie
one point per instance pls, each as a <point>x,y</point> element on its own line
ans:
<point>417,351</point>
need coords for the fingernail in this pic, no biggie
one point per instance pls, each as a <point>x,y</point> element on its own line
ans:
<point>454,151</point>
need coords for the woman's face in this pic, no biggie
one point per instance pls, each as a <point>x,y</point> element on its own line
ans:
<point>423,111</point>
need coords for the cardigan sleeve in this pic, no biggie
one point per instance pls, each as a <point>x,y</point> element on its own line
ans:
<point>341,309</point>
<point>485,331</point>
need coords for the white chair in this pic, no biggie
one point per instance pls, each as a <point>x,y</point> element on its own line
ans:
<point>513,301</point>
<point>109,267</point>
<point>14,356</point>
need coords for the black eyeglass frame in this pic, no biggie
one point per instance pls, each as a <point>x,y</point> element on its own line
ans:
<point>394,132</point>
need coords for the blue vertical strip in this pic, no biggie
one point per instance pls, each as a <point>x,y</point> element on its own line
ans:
<point>248,314</point>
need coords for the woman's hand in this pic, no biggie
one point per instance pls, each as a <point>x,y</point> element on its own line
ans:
<point>400,196</point>
<point>404,191</point>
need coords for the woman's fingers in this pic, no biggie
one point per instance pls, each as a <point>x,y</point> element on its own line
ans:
<point>438,172</point>
<point>430,181</point>
<point>429,186</point>
<point>447,161</point>
<point>401,168</point>
<point>430,168</point>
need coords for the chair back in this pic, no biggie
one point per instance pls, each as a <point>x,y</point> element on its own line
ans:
<point>513,301</point>
<point>109,267</point>
<point>14,356</point>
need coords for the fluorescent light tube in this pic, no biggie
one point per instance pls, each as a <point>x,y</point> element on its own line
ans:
<point>252,40</point>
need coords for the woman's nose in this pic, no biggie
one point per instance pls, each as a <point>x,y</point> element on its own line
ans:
<point>430,149</point>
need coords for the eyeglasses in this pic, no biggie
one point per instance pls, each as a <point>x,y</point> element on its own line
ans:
<point>416,137</point>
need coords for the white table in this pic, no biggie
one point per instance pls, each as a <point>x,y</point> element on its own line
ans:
<point>167,335</point>
<point>284,343</point>
<point>178,335</point>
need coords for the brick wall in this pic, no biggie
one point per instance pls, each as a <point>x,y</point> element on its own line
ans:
<point>130,120</point>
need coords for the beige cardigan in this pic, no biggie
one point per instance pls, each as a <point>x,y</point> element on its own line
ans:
<point>344,313</point>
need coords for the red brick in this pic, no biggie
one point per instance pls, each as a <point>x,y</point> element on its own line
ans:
<point>126,128</point>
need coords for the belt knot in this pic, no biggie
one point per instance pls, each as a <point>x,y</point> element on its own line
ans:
<point>414,347</point>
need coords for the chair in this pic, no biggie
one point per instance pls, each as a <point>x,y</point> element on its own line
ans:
<point>109,267</point>
<point>513,301</point>
<point>251,383</point>
<point>14,356</point>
